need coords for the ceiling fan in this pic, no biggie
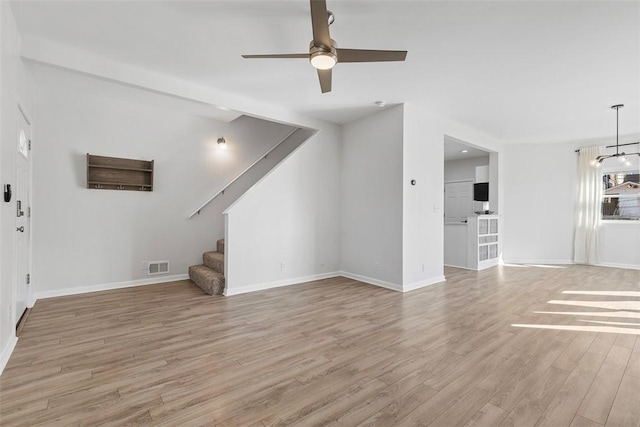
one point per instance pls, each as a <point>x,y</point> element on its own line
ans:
<point>324,52</point>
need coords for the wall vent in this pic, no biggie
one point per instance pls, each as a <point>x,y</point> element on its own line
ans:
<point>158,267</point>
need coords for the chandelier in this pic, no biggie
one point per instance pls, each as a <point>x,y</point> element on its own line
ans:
<point>622,157</point>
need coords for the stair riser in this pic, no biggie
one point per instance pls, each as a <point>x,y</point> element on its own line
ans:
<point>213,263</point>
<point>208,282</point>
<point>220,245</point>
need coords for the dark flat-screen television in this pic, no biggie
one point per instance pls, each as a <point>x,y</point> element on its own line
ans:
<point>481,192</point>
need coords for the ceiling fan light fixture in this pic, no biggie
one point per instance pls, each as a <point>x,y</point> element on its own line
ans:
<point>323,60</point>
<point>324,53</point>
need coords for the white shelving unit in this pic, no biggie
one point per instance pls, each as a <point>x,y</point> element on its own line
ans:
<point>483,241</point>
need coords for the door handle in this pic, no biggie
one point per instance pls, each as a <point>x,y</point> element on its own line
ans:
<point>20,229</point>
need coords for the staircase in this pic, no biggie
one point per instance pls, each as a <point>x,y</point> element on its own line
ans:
<point>210,275</point>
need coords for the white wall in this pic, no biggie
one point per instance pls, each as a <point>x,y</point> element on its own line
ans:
<point>86,238</point>
<point>423,203</point>
<point>540,187</point>
<point>620,245</point>
<point>463,169</point>
<point>372,193</point>
<point>540,181</point>
<point>291,216</point>
<point>14,87</point>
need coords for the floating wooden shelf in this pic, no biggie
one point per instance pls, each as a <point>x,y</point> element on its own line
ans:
<point>112,173</point>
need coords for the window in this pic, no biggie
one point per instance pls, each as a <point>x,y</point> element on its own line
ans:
<point>23,144</point>
<point>621,198</point>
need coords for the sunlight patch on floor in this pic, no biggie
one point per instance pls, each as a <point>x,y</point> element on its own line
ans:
<point>602,322</point>
<point>627,314</point>
<point>613,305</point>
<point>607,329</point>
<point>623,309</point>
<point>605,293</point>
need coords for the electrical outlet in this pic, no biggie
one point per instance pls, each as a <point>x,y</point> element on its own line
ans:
<point>423,267</point>
<point>283,266</point>
<point>322,261</point>
<point>377,266</point>
<point>145,265</point>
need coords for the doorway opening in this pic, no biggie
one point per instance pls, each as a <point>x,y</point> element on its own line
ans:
<point>470,191</point>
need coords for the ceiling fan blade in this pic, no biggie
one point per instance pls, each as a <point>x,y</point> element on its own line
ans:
<point>364,55</point>
<point>325,80</point>
<point>283,55</point>
<point>320,23</point>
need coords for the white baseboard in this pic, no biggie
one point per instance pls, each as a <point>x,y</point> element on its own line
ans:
<point>570,262</point>
<point>461,268</point>
<point>31,301</point>
<point>109,286</point>
<point>280,283</point>
<point>539,261</point>
<point>6,352</point>
<point>423,283</point>
<point>358,277</point>
<point>615,265</point>
<point>457,266</point>
<point>372,281</point>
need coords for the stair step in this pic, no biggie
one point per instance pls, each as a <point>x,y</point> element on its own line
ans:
<point>220,245</point>
<point>214,260</point>
<point>211,281</point>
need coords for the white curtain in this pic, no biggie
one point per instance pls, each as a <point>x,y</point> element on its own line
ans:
<point>588,208</point>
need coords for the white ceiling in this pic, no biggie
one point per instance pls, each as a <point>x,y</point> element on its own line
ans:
<point>520,71</point>
<point>458,150</point>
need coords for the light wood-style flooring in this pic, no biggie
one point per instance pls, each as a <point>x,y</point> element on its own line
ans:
<point>338,352</point>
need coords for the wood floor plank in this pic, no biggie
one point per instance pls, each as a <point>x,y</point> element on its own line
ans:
<point>463,410</point>
<point>514,388</point>
<point>626,341</point>
<point>384,398</point>
<point>400,406</point>
<point>538,395</point>
<point>633,367</point>
<point>579,421</point>
<point>488,416</point>
<point>597,403</point>
<point>332,352</point>
<point>567,400</point>
<point>625,411</point>
<point>572,355</point>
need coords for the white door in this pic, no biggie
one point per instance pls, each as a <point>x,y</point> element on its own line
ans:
<point>23,214</point>
<point>458,201</point>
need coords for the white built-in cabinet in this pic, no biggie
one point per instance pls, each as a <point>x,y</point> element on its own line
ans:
<point>483,241</point>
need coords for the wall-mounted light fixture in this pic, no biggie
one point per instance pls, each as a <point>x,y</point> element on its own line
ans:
<point>222,143</point>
